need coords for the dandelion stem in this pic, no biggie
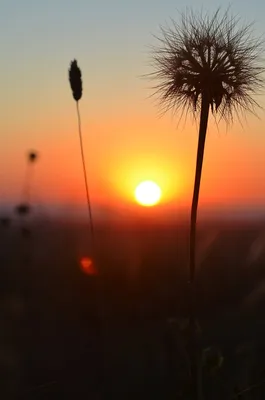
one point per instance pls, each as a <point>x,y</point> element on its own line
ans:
<point>85,174</point>
<point>195,355</point>
<point>196,191</point>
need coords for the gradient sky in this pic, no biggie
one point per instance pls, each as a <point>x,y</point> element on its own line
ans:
<point>125,141</point>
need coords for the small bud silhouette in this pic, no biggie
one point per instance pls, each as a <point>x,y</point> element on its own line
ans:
<point>5,222</point>
<point>23,209</point>
<point>75,78</point>
<point>32,156</point>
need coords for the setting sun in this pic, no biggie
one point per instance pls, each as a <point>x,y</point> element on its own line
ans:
<point>147,193</point>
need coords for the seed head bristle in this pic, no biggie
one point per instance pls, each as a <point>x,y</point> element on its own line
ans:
<point>215,55</point>
<point>75,78</point>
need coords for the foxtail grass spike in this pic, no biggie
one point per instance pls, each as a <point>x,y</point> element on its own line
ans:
<point>75,79</point>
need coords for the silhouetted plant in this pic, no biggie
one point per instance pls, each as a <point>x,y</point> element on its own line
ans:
<point>26,245</point>
<point>22,209</point>
<point>206,63</point>
<point>5,222</point>
<point>75,79</point>
<point>26,189</point>
<point>32,156</point>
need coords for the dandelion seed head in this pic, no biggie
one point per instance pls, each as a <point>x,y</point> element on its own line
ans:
<point>212,56</point>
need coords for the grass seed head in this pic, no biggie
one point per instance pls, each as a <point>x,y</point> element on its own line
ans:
<point>75,78</point>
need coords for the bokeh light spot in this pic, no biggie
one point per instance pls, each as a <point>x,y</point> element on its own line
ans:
<point>87,266</point>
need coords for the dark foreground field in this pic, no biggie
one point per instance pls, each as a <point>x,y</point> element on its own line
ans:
<point>121,334</point>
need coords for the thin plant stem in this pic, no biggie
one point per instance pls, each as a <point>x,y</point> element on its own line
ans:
<point>26,189</point>
<point>195,199</point>
<point>85,175</point>
<point>101,302</point>
<point>195,353</point>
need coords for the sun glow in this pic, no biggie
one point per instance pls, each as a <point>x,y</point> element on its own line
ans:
<point>147,193</point>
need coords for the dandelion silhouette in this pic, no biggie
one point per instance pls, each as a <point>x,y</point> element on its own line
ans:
<point>75,79</point>
<point>205,64</point>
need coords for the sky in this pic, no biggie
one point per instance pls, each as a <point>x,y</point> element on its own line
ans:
<point>125,140</point>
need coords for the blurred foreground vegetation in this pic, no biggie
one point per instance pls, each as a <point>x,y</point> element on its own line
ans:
<point>121,334</point>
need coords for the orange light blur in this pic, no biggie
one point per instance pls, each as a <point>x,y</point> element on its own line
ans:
<point>87,266</point>
<point>151,149</point>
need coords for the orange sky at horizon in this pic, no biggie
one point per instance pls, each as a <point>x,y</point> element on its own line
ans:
<point>116,163</point>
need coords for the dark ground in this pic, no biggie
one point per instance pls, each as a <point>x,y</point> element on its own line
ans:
<point>121,334</point>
